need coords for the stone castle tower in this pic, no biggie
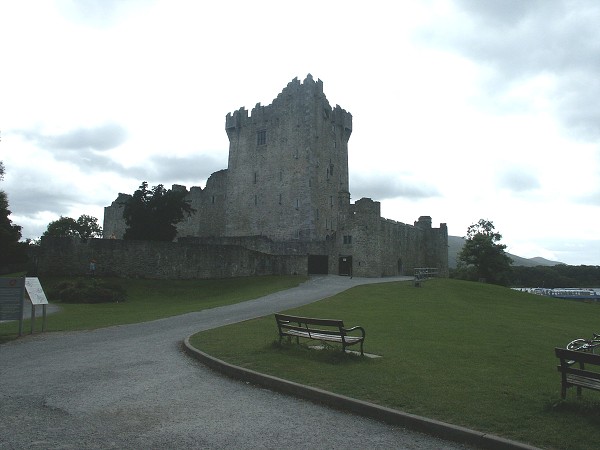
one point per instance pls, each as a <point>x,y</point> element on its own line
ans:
<point>286,192</point>
<point>288,166</point>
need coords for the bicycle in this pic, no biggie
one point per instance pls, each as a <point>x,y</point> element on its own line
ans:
<point>585,345</point>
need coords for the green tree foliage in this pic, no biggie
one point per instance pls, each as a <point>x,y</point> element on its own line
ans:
<point>152,214</point>
<point>87,227</point>
<point>558,276</point>
<point>65,226</point>
<point>11,250</point>
<point>483,257</point>
<point>84,227</point>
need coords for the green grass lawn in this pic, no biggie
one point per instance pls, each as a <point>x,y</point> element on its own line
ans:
<point>475,355</point>
<point>152,299</point>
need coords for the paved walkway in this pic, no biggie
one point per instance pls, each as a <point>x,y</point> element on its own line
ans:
<point>132,387</point>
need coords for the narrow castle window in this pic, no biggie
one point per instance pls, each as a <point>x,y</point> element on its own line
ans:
<point>297,203</point>
<point>347,239</point>
<point>255,177</point>
<point>261,137</point>
<point>280,199</point>
<point>256,199</point>
<point>212,200</point>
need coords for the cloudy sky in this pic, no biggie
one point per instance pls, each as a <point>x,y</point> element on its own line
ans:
<point>462,109</point>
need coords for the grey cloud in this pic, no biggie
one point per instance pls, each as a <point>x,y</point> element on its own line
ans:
<point>580,250</point>
<point>506,12</point>
<point>388,187</point>
<point>520,40</point>
<point>189,169</point>
<point>100,13</point>
<point>36,192</point>
<point>83,148</point>
<point>100,138</point>
<point>591,199</point>
<point>32,190</point>
<point>518,180</point>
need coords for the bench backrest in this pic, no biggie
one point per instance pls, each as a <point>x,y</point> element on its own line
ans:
<point>309,324</point>
<point>582,357</point>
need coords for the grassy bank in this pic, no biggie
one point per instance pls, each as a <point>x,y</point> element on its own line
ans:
<point>152,299</point>
<point>474,355</point>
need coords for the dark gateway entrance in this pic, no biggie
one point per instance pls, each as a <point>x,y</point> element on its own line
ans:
<point>346,265</point>
<point>318,264</point>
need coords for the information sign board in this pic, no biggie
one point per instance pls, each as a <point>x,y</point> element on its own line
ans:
<point>11,298</point>
<point>35,291</point>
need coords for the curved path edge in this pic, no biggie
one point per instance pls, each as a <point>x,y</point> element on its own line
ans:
<point>391,416</point>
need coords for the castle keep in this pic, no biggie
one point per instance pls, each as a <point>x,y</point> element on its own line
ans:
<point>285,194</point>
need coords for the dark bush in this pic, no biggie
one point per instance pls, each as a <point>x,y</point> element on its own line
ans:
<point>88,291</point>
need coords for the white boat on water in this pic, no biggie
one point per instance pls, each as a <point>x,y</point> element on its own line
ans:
<point>574,293</point>
<point>566,293</point>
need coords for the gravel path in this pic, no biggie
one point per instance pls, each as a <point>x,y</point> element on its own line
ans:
<point>132,387</point>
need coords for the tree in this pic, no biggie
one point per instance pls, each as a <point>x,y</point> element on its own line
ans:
<point>483,257</point>
<point>11,250</point>
<point>85,227</point>
<point>65,226</point>
<point>152,214</point>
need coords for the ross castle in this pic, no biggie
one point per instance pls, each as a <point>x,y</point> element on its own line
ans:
<point>285,193</point>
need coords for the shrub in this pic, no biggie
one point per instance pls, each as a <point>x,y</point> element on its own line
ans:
<point>88,291</point>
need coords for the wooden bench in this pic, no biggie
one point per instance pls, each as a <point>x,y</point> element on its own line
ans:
<point>330,330</point>
<point>574,371</point>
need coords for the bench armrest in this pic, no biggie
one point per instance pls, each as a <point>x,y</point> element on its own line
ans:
<point>362,330</point>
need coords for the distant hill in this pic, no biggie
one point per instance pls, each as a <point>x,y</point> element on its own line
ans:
<point>455,245</point>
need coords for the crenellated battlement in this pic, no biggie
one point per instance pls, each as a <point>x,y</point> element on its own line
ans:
<point>296,96</point>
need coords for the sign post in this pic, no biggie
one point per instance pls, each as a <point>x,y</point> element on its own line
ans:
<point>37,297</point>
<point>12,300</point>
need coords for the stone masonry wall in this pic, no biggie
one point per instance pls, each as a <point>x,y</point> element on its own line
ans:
<point>161,260</point>
<point>288,163</point>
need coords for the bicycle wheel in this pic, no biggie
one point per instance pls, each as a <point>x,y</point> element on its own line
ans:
<point>578,345</point>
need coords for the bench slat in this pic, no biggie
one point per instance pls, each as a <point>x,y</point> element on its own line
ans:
<point>292,328</point>
<point>310,320</point>
<point>577,380</point>
<point>324,337</point>
<point>584,357</point>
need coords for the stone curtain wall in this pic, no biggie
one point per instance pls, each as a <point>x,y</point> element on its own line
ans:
<point>161,260</point>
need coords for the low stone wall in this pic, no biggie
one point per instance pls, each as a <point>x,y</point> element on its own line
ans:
<point>161,260</point>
